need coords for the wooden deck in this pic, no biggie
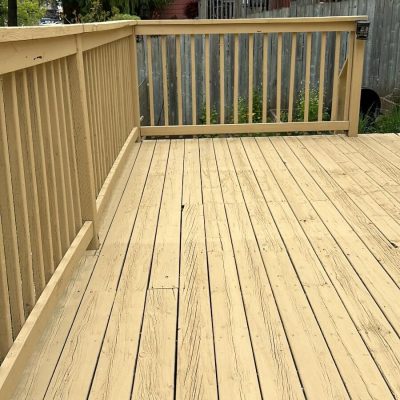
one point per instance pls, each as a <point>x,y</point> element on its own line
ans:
<point>236,269</point>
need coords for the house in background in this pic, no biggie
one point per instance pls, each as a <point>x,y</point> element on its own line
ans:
<point>180,9</point>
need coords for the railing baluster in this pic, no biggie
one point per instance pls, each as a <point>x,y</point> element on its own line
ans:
<point>350,50</point>
<point>251,72</point>
<point>43,193</point>
<point>6,338</point>
<point>236,81</point>
<point>279,79</point>
<point>322,77</point>
<point>355,87</point>
<point>150,77</point>
<point>50,167</point>
<point>193,76</point>
<point>265,78</point>
<point>165,81</point>
<point>91,104</point>
<point>335,95</point>
<point>71,145</point>
<point>292,76</point>
<point>83,146</point>
<point>11,107</point>
<point>307,80</point>
<point>179,77</point>
<point>30,183</point>
<point>9,226</point>
<point>59,162</point>
<point>222,77</point>
<point>207,78</point>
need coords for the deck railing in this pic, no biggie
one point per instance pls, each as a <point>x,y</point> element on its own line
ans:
<point>252,58</point>
<point>70,112</point>
<point>67,118</point>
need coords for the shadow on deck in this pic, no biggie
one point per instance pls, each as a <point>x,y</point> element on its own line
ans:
<point>239,268</point>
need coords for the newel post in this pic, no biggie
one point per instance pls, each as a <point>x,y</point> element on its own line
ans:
<point>135,81</point>
<point>87,192</point>
<point>357,76</point>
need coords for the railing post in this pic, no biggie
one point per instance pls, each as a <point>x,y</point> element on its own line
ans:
<point>135,81</point>
<point>356,83</point>
<point>83,145</point>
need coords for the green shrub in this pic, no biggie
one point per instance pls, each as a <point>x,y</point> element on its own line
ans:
<point>214,116</point>
<point>389,122</point>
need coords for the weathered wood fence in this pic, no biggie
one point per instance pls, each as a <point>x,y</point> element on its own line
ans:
<point>381,71</point>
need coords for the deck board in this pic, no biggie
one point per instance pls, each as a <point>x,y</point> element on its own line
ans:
<point>236,268</point>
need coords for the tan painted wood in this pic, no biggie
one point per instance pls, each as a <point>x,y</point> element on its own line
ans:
<point>335,93</point>
<point>109,183</point>
<point>193,76</point>
<point>279,78</point>
<point>307,78</point>
<point>321,91</point>
<point>20,199</point>
<point>71,144</point>
<point>237,373</point>
<point>268,229</point>
<point>106,108</point>
<point>292,76</point>
<point>65,138</point>
<point>195,363</point>
<point>154,375</point>
<point>31,331</point>
<point>365,202</point>
<point>100,293</point>
<point>251,76</point>
<point>95,39</point>
<point>207,78</point>
<point>350,50</point>
<point>88,65</point>
<point>35,32</point>
<point>239,26</point>
<point>243,128</point>
<point>338,274</point>
<point>6,338</point>
<point>165,79</point>
<point>150,76</point>
<point>360,239</point>
<point>165,265</point>
<point>236,80</point>
<point>355,88</point>
<point>38,372</point>
<point>100,115</point>
<point>43,92</point>
<point>59,166</point>
<point>27,153</point>
<point>16,34</point>
<point>390,158</point>
<point>25,54</point>
<point>41,178</point>
<point>128,309</point>
<point>222,78</point>
<point>134,81</point>
<point>265,324</point>
<point>83,141</point>
<point>154,372</point>
<point>265,79</point>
